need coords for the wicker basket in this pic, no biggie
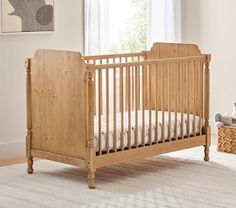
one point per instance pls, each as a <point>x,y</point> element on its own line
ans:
<point>227,139</point>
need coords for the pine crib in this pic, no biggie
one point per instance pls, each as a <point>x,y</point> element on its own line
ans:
<point>93,111</point>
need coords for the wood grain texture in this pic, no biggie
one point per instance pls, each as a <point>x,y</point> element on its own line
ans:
<point>58,103</point>
<point>29,117</point>
<point>149,151</point>
<point>90,146</point>
<point>191,103</point>
<point>65,90</point>
<point>172,50</point>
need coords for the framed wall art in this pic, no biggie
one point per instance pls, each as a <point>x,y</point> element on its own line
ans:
<point>23,16</point>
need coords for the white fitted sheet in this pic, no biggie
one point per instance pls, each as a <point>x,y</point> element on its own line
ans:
<point>140,124</point>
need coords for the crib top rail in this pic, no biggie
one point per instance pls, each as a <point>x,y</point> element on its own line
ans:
<point>114,58</point>
<point>203,57</point>
<point>105,56</point>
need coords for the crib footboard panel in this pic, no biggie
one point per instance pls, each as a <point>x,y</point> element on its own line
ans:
<point>57,104</point>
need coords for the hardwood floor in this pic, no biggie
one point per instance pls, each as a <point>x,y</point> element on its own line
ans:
<point>12,161</point>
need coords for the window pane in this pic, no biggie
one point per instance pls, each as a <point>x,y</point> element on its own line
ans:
<point>128,26</point>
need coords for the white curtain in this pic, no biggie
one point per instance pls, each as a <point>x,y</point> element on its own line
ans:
<point>164,21</point>
<point>96,20</point>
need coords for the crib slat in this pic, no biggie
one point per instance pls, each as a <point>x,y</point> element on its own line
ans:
<point>129,106</point>
<point>126,83</point>
<point>194,98</point>
<point>188,99</point>
<point>107,112</point>
<point>100,96</point>
<point>138,86</point>
<point>95,89</point>
<point>182,97</point>
<point>169,112</point>
<point>150,99</point>
<point>176,76</point>
<point>143,107</point>
<point>122,108</point>
<point>162,104</point>
<point>156,107</point>
<point>114,110</point>
<point>133,86</point>
<point>125,89</point>
<point>136,105</point>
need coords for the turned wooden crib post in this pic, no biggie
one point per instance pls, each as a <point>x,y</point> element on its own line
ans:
<point>91,153</point>
<point>207,128</point>
<point>29,119</point>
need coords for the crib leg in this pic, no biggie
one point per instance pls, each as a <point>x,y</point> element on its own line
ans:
<point>91,165</point>
<point>207,131</point>
<point>91,180</point>
<point>30,169</point>
<point>206,153</point>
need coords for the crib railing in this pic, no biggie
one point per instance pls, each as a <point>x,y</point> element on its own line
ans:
<point>114,58</point>
<point>130,92</point>
<point>111,59</point>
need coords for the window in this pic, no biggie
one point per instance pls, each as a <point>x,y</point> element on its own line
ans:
<point>128,26</point>
<point>123,26</point>
<point>118,26</point>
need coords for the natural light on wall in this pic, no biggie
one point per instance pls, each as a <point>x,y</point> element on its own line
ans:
<point>118,26</point>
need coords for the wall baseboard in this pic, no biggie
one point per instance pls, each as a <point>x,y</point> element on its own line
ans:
<point>12,149</point>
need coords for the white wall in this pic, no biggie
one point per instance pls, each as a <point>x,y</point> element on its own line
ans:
<point>190,12</point>
<point>13,50</point>
<point>211,24</point>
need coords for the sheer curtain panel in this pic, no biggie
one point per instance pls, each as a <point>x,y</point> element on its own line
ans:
<point>163,22</point>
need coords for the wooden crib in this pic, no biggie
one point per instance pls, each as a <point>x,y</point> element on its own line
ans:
<point>94,111</point>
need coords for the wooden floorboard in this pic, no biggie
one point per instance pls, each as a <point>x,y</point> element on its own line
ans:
<point>12,161</point>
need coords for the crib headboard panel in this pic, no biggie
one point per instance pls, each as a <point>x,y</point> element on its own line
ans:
<point>57,96</point>
<point>175,79</point>
<point>172,50</point>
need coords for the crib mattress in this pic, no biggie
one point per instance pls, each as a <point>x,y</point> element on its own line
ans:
<point>140,126</point>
